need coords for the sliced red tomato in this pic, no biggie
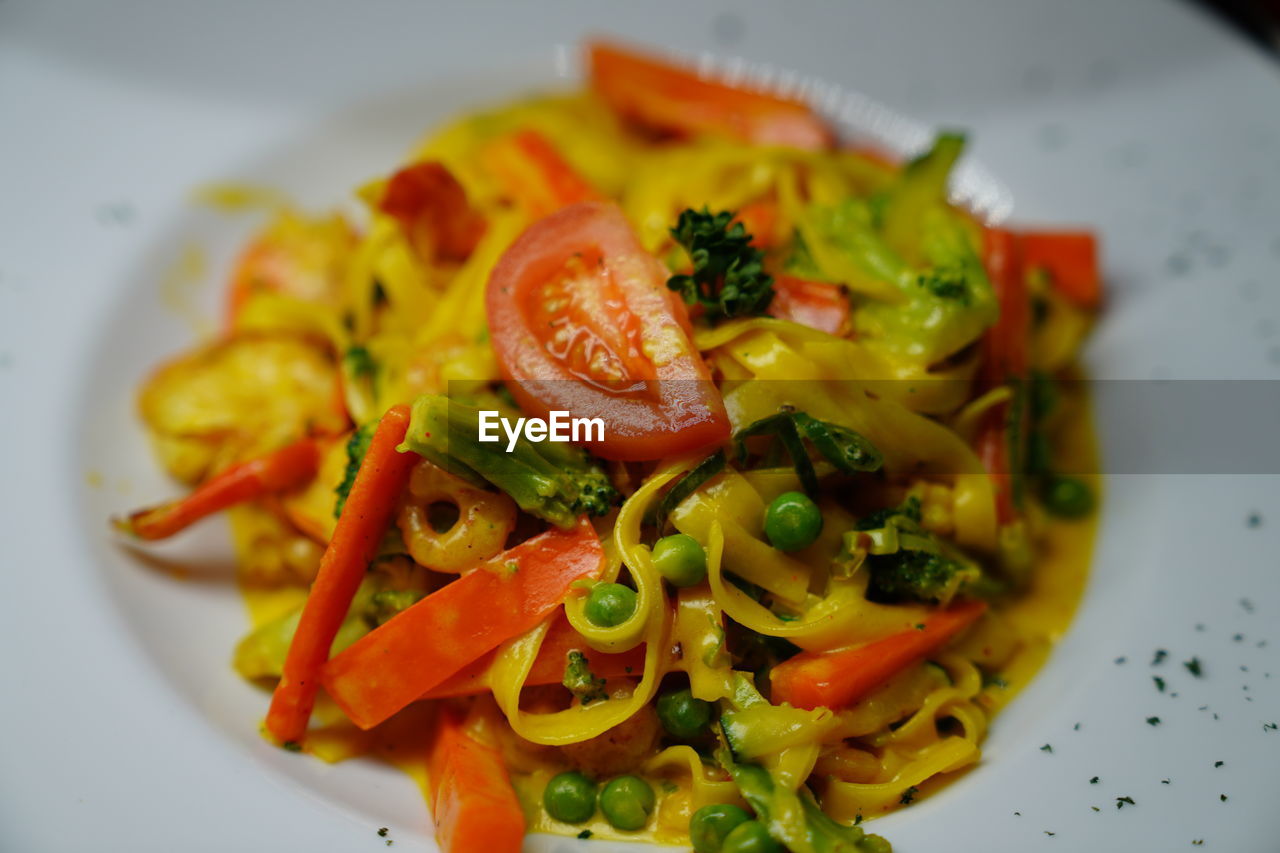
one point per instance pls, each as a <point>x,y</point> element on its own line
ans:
<point>582,321</point>
<point>669,99</point>
<point>432,208</point>
<point>817,304</point>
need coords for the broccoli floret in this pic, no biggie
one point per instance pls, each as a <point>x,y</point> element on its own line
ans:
<point>554,481</point>
<point>916,575</point>
<point>912,563</point>
<point>357,447</point>
<point>581,681</point>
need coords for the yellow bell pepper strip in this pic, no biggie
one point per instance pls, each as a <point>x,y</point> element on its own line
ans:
<point>382,477</point>
<point>285,469</point>
<point>472,801</point>
<point>837,679</point>
<point>420,648</point>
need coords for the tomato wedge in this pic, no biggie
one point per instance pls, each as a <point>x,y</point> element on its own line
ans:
<point>673,100</point>
<point>582,322</point>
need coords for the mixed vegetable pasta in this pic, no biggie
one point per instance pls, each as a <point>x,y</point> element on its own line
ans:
<point>820,538</point>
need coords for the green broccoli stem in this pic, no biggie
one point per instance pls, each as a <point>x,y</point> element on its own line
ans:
<point>554,481</point>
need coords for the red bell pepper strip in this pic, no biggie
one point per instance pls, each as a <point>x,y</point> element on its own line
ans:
<point>837,679</point>
<point>432,208</point>
<point>1005,360</point>
<point>817,304</point>
<point>285,469</point>
<point>379,482</point>
<point>669,99</point>
<point>472,802</point>
<point>424,645</point>
<point>532,171</point>
<point>1071,258</point>
<point>548,666</point>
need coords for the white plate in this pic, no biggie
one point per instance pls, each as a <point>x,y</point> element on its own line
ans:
<point>124,726</point>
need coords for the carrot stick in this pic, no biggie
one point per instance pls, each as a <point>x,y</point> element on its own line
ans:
<point>424,645</point>
<point>839,678</point>
<point>472,802</point>
<point>381,478</point>
<point>548,666</point>
<point>1006,359</point>
<point>669,99</point>
<point>1071,258</point>
<point>285,469</point>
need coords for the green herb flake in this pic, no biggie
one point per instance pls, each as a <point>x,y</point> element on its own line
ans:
<point>1093,781</point>
<point>1047,748</point>
<point>1153,721</point>
<point>1219,763</point>
<point>1193,666</point>
<point>585,834</point>
<point>581,681</point>
<point>292,746</point>
<point>1122,801</point>
<point>1159,682</point>
<point>908,795</point>
<point>1159,657</point>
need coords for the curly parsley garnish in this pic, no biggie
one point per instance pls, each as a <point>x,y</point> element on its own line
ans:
<point>728,278</point>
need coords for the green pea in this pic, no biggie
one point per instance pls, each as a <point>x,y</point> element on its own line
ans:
<point>684,717</point>
<point>1067,497</point>
<point>750,837</point>
<point>627,802</point>
<point>710,824</point>
<point>792,521</point>
<point>680,559</point>
<point>610,604</point>
<point>570,797</point>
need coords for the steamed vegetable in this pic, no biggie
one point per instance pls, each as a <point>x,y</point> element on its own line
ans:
<point>837,679</point>
<point>422,647</point>
<point>285,469</point>
<point>383,474</point>
<point>474,807</point>
<point>555,481</point>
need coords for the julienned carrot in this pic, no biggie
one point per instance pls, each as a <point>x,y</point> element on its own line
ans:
<point>432,208</point>
<point>422,646</point>
<point>817,304</point>
<point>532,171</point>
<point>379,482</point>
<point>285,469</point>
<point>666,98</point>
<point>548,667</point>
<point>472,802</point>
<point>1005,360</point>
<point>839,678</point>
<point>1071,259</point>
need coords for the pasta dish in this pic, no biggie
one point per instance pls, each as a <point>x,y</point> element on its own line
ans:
<point>646,462</point>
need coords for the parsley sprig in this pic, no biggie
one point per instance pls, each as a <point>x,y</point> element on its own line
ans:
<point>728,278</point>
